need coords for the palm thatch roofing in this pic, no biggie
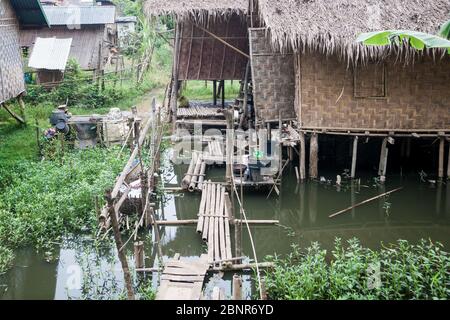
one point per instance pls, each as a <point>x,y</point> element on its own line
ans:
<point>328,26</point>
<point>332,26</point>
<point>196,9</point>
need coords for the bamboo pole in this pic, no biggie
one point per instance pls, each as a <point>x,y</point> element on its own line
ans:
<point>448,164</point>
<point>196,174</point>
<point>207,212</point>
<point>237,287</point>
<point>441,158</point>
<point>139,254</point>
<point>354,157</point>
<point>201,211</point>
<point>188,177</point>
<point>216,224</point>
<point>302,157</point>
<point>201,177</point>
<point>223,251</point>
<point>119,244</point>
<point>364,202</point>
<point>313,156</point>
<point>210,231</point>
<point>383,160</point>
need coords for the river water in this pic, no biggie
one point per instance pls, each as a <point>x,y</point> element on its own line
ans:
<point>82,269</point>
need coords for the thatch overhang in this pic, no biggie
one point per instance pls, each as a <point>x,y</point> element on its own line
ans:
<point>331,27</point>
<point>196,10</point>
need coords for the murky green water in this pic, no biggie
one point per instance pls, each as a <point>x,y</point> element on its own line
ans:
<point>420,210</point>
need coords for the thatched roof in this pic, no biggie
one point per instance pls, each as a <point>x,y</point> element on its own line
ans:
<point>195,8</point>
<point>331,26</point>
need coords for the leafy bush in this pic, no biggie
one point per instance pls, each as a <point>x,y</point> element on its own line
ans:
<point>45,200</point>
<point>406,271</point>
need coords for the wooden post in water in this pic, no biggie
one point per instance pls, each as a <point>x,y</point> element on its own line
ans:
<point>313,156</point>
<point>119,244</point>
<point>237,287</point>
<point>354,157</point>
<point>448,165</point>
<point>383,160</point>
<point>139,254</point>
<point>175,70</point>
<point>441,158</point>
<point>302,157</point>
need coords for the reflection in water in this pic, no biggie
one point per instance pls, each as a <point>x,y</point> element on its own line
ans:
<point>418,211</point>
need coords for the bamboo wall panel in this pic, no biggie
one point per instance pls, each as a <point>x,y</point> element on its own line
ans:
<point>417,96</point>
<point>273,79</point>
<point>204,58</point>
<point>11,69</point>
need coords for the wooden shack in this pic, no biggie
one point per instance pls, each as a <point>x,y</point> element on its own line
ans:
<point>91,27</point>
<point>13,15</point>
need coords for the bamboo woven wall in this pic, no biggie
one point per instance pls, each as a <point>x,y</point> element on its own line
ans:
<point>416,96</point>
<point>273,79</point>
<point>11,71</point>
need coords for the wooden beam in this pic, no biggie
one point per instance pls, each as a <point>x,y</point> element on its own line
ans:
<point>13,114</point>
<point>224,42</point>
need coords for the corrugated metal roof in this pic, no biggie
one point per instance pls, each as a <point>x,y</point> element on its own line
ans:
<point>50,53</point>
<point>29,12</point>
<point>80,15</point>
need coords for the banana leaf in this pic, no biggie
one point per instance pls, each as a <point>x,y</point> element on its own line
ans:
<point>418,40</point>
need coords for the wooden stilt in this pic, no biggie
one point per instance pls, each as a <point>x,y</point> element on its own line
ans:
<point>313,156</point>
<point>383,160</point>
<point>441,158</point>
<point>139,254</point>
<point>302,157</point>
<point>237,287</point>
<point>119,245</point>
<point>354,157</point>
<point>215,92</point>
<point>22,106</point>
<point>448,164</point>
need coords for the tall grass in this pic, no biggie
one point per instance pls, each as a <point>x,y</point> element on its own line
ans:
<point>199,90</point>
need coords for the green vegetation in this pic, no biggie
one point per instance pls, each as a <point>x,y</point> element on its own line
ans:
<point>417,40</point>
<point>406,271</point>
<point>40,202</point>
<point>199,90</point>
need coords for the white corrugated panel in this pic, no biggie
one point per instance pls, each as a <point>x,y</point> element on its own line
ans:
<point>50,53</point>
<point>77,16</point>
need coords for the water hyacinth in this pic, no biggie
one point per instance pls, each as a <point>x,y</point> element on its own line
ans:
<point>397,271</point>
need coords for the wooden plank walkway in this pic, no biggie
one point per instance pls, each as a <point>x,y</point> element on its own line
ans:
<point>214,221</point>
<point>183,280</point>
<point>199,112</point>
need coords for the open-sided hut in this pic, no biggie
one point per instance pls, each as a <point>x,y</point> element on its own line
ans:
<point>211,40</point>
<point>14,15</point>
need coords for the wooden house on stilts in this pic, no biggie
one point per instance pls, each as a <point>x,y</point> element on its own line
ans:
<point>376,107</point>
